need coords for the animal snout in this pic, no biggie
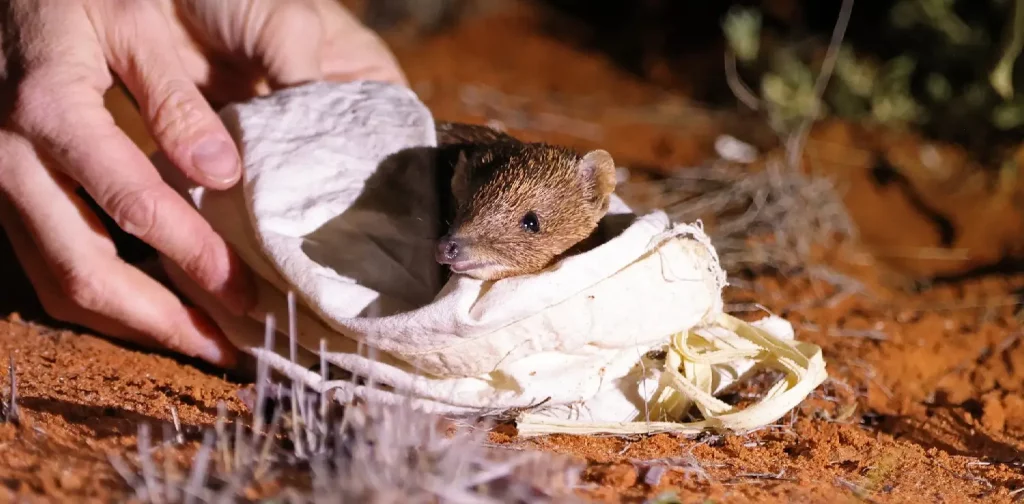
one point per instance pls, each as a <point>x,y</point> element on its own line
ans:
<point>448,250</point>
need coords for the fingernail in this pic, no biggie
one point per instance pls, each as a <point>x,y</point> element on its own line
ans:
<point>217,158</point>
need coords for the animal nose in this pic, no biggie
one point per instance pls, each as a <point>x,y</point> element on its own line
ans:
<point>451,250</point>
<point>448,250</point>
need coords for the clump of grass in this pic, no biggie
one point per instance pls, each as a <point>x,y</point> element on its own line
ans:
<point>315,449</point>
<point>770,218</point>
<point>9,400</point>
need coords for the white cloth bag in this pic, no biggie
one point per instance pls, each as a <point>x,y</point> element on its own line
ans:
<point>337,204</point>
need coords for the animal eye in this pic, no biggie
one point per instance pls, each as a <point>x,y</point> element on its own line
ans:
<point>530,223</point>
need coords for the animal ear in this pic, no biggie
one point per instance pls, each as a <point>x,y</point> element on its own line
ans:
<point>597,170</point>
<point>460,176</point>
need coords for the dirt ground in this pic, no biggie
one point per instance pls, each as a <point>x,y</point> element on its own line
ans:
<point>924,401</point>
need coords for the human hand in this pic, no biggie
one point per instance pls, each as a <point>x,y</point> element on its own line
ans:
<point>240,49</point>
<point>55,136</point>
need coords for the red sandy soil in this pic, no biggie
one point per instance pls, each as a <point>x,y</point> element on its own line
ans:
<point>927,409</point>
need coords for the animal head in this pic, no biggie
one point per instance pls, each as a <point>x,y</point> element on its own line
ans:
<point>519,206</point>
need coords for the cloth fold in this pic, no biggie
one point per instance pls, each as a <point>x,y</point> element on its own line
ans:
<point>337,205</point>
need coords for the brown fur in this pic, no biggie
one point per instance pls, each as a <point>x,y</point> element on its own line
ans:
<point>496,180</point>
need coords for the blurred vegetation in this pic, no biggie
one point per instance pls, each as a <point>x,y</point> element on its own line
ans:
<point>945,67</point>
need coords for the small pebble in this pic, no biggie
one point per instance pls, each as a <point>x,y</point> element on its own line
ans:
<point>733,149</point>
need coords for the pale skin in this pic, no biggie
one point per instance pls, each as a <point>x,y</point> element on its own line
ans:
<point>174,57</point>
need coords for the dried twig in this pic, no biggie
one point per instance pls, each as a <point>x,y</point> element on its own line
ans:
<point>736,84</point>
<point>179,437</point>
<point>795,144</point>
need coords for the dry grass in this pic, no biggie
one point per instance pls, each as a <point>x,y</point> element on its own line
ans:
<point>314,449</point>
<point>771,218</point>
<point>9,400</point>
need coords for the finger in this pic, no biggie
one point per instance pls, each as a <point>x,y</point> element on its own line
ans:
<point>283,37</point>
<point>48,290</point>
<point>355,51</point>
<point>58,306</point>
<point>137,42</point>
<point>128,188</point>
<point>61,108</point>
<point>86,283</point>
<point>288,58</point>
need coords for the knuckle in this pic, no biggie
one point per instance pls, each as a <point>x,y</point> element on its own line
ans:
<point>41,97</point>
<point>204,264</point>
<point>134,209</point>
<point>175,114</point>
<point>295,11</point>
<point>82,288</point>
<point>33,99</point>
<point>296,16</point>
<point>10,156</point>
<point>143,15</point>
<point>170,337</point>
<point>123,21</point>
<point>126,9</point>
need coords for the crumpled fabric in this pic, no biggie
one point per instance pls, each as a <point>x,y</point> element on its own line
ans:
<point>337,205</point>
